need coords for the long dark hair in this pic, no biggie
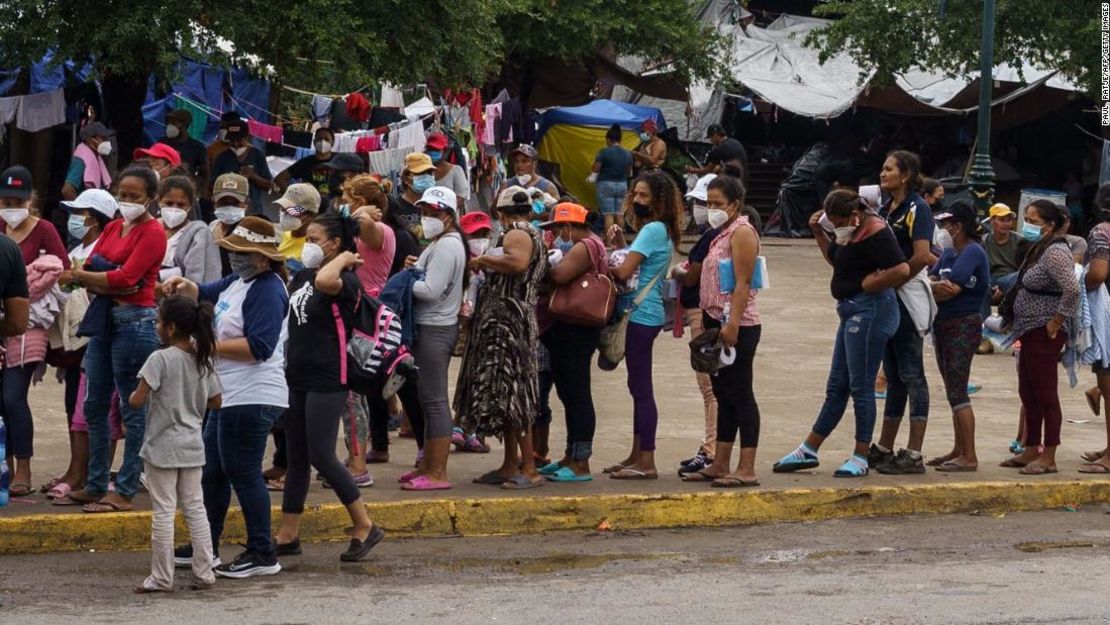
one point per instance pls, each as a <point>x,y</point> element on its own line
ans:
<point>1054,215</point>
<point>195,320</point>
<point>181,183</point>
<point>843,202</point>
<point>667,204</point>
<point>339,226</point>
<point>731,187</point>
<point>909,163</point>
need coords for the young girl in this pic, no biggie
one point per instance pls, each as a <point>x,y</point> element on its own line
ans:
<point>181,384</point>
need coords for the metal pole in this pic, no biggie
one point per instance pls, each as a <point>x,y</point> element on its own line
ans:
<point>982,174</point>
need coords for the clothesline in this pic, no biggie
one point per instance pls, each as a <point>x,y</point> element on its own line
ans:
<point>333,96</point>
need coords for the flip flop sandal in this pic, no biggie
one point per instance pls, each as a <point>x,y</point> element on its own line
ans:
<point>938,461</point>
<point>277,485</point>
<point>1095,468</point>
<point>615,468</point>
<point>423,483</point>
<point>634,474</point>
<point>83,498</point>
<point>522,482</point>
<point>60,490</point>
<point>550,469</point>
<point>474,445</point>
<point>408,476</point>
<point>1036,469</point>
<point>1091,457</point>
<point>697,476</point>
<point>69,501</point>
<point>733,482</point>
<point>952,467</point>
<point>566,474</point>
<point>45,488</point>
<point>101,507</point>
<point>493,478</point>
<point>21,489</point>
<point>1013,463</point>
<point>1092,401</point>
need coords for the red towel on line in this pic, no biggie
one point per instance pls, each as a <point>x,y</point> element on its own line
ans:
<point>266,132</point>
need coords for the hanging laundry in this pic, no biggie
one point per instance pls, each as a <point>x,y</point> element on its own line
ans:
<point>8,108</point>
<point>321,107</point>
<point>297,138</point>
<point>476,106</point>
<point>410,136</point>
<point>365,145</point>
<point>340,120</point>
<point>489,124</point>
<point>358,107</point>
<point>199,124</point>
<point>266,132</point>
<point>381,116</point>
<point>507,124</point>
<point>391,97</point>
<point>388,163</point>
<point>41,110</point>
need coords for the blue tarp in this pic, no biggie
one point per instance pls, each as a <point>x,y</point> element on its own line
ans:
<point>46,77</point>
<point>252,95</point>
<point>602,113</point>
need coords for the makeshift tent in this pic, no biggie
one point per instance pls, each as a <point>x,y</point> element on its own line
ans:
<point>208,86</point>
<point>571,137</point>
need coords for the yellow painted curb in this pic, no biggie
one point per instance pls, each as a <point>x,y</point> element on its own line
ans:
<point>483,517</point>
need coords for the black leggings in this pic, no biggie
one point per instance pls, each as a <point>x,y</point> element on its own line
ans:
<point>737,409</point>
<point>379,422</point>
<point>311,428</point>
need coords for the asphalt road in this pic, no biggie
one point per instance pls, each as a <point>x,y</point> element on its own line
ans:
<point>1045,567</point>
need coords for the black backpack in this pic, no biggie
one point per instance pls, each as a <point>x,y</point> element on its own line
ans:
<point>374,359</point>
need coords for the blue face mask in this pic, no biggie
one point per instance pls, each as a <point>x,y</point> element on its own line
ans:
<point>645,137</point>
<point>563,245</point>
<point>1031,232</point>
<point>537,207</point>
<point>435,155</point>
<point>423,182</point>
<point>77,226</point>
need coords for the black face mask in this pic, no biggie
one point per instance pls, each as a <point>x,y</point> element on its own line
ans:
<point>642,211</point>
<point>938,206</point>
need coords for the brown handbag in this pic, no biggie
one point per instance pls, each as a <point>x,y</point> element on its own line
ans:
<point>589,300</point>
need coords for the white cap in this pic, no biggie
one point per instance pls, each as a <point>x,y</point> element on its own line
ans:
<point>98,200</point>
<point>700,192</point>
<point>871,195</point>
<point>548,200</point>
<point>439,197</point>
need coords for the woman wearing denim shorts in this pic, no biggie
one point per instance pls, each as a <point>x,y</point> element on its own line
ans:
<point>612,166</point>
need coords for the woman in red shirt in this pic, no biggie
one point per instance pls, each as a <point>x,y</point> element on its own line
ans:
<point>125,269</point>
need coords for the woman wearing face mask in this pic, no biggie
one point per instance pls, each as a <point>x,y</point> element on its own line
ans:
<point>191,251</point>
<point>656,207</point>
<point>135,246</point>
<point>652,152</point>
<point>867,264</point>
<point>497,390</point>
<point>250,359</point>
<point>35,237</point>
<point>437,298</point>
<point>229,195</point>
<point>734,314</point>
<point>1047,296</point>
<point>317,391</point>
<point>572,345</point>
<point>447,174</point>
<point>960,280</point>
<point>417,177</point>
<point>88,169</point>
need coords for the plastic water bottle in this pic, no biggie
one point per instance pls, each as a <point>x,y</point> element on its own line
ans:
<point>4,477</point>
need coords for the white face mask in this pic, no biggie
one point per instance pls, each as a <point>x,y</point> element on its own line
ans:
<point>844,234</point>
<point>717,217</point>
<point>173,216</point>
<point>229,215</point>
<point>289,223</point>
<point>105,148</point>
<point>172,131</point>
<point>478,246</point>
<point>432,226</point>
<point>323,147</point>
<point>239,151</point>
<point>701,214</point>
<point>312,256</point>
<point>222,134</point>
<point>14,216</point>
<point>131,211</point>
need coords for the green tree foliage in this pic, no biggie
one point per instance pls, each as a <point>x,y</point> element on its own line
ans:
<point>894,36</point>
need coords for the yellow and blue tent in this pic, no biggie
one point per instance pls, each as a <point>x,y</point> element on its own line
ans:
<point>571,136</point>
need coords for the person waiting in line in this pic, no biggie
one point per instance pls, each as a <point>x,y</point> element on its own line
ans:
<point>1005,251</point>
<point>524,160</point>
<point>903,363</point>
<point>960,280</point>
<point>230,196</point>
<point>246,160</point>
<point>194,154</point>
<point>724,149</point>
<point>867,265</point>
<point>343,167</point>
<point>417,177</point>
<point>478,229</point>
<point>163,159</point>
<point>652,152</point>
<point>656,207</point>
<point>447,174</point>
<point>497,393</point>
<point>1048,295</point>
<point>611,170</point>
<point>733,312</point>
<point>312,169</point>
<point>297,207</point>
<point>88,169</point>
<point>191,251</point>
<point>1098,273</point>
<point>221,144</point>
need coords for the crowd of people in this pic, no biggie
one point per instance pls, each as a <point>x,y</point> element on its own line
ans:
<point>194,343</point>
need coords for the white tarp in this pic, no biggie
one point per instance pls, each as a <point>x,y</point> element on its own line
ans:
<point>420,108</point>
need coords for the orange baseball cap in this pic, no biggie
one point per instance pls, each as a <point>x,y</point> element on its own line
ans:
<point>567,213</point>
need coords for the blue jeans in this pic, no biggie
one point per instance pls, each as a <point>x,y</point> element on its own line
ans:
<point>904,366</point>
<point>867,321</point>
<point>234,444</point>
<point>114,361</point>
<point>610,196</point>
<point>1005,283</point>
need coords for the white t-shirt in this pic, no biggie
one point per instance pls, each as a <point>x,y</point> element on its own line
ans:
<point>247,383</point>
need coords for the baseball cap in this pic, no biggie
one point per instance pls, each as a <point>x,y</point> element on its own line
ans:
<point>180,115</point>
<point>714,130</point>
<point>514,196</point>
<point>1000,210</point>
<point>95,129</point>
<point>439,197</point>
<point>299,198</point>
<point>473,222</point>
<point>526,150</point>
<point>345,161</point>
<point>237,129</point>
<point>567,213</point>
<point>161,151</point>
<point>230,117</point>
<point>418,163</point>
<point>649,125</point>
<point>97,200</point>
<point>15,182</point>
<point>232,185</point>
<point>437,141</point>
<point>700,192</point>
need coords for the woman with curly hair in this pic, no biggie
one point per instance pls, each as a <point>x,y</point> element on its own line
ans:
<point>656,207</point>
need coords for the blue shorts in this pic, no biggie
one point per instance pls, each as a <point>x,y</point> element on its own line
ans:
<point>610,196</point>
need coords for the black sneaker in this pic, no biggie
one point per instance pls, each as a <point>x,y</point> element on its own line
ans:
<point>290,548</point>
<point>360,549</point>
<point>902,464</point>
<point>183,557</point>
<point>699,457</point>
<point>249,564</point>
<point>876,457</point>
<point>695,464</point>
